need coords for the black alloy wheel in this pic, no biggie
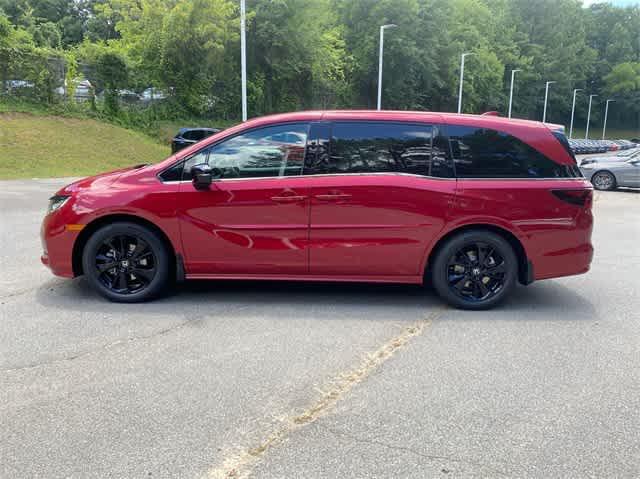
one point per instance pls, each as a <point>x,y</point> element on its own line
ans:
<point>126,262</point>
<point>474,270</point>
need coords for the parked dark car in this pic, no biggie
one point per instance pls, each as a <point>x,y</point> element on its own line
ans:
<point>189,136</point>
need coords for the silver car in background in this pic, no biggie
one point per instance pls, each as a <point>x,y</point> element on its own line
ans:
<point>619,156</point>
<point>608,175</point>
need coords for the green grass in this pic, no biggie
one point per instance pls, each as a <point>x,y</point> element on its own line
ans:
<point>41,146</point>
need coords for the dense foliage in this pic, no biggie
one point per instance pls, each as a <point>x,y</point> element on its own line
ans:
<point>324,53</point>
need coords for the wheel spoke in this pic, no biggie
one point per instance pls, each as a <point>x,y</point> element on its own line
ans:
<point>484,291</point>
<point>460,283</point>
<point>498,268</point>
<point>488,256</point>
<point>106,266</point>
<point>123,246</point>
<point>145,274</point>
<point>140,249</point>
<point>120,281</point>
<point>112,247</point>
<point>481,254</point>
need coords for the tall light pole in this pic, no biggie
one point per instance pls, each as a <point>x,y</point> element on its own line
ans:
<point>606,113</point>
<point>382,29</point>
<point>586,134</point>
<point>243,58</point>
<point>464,55</point>
<point>513,74</point>
<point>546,97</point>
<point>573,110</point>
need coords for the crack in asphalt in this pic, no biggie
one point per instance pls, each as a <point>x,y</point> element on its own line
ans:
<point>128,340</point>
<point>240,462</point>
<point>410,450</point>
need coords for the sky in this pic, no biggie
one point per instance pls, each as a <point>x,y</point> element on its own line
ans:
<point>619,3</point>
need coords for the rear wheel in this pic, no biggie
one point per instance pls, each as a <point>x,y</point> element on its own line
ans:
<point>474,270</point>
<point>126,262</point>
<point>603,180</point>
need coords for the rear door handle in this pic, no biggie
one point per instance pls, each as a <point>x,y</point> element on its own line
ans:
<point>333,197</point>
<point>288,199</point>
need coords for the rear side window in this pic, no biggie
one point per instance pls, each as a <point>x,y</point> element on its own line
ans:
<point>363,147</point>
<point>487,153</point>
<point>378,147</point>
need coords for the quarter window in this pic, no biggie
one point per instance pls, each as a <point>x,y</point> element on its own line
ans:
<point>486,153</point>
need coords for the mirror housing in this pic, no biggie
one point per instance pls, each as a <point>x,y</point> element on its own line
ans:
<point>201,176</point>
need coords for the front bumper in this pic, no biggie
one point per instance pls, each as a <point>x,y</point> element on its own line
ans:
<point>57,244</point>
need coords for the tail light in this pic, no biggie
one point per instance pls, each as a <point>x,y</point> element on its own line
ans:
<point>575,197</point>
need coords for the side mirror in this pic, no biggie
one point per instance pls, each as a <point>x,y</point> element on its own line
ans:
<point>201,176</point>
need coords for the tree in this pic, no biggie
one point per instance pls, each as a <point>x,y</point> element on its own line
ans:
<point>111,71</point>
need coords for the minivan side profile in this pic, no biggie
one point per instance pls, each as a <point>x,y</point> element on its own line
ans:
<point>474,204</point>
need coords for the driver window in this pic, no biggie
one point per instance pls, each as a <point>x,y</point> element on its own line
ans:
<point>265,152</point>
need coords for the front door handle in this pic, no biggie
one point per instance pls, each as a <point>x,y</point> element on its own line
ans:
<point>333,197</point>
<point>288,199</point>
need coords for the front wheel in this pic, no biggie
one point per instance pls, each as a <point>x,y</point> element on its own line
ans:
<point>603,180</point>
<point>126,262</point>
<point>474,270</point>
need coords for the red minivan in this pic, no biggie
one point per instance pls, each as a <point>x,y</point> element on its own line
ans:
<point>472,203</point>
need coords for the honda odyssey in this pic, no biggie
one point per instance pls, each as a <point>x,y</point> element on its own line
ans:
<point>473,204</point>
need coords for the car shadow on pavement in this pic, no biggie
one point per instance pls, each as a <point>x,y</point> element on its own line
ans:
<point>547,300</point>
<point>194,297</point>
<point>550,297</point>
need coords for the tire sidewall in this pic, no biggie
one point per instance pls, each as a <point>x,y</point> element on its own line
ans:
<point>159,281</point>
<point>439,276</point>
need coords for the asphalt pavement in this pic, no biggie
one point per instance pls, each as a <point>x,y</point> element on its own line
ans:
<point>283,380</point>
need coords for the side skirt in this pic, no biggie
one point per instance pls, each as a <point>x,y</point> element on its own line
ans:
<point>310,277</point>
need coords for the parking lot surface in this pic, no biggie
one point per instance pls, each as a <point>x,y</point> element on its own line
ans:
<point>305,380</point>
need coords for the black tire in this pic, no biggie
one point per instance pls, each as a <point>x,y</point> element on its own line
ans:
<point>139,258</point>
<point>474,270</point>
<point>603,181</point>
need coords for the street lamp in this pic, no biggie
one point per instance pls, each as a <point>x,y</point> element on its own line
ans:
<point>546,97</point>
<point>573,110</point>
<point>243,58</point>
<point>513,73</point>
<point>464,55</point>
<point>586,134</point>
<point>382,29</point>
<point>606,113</point>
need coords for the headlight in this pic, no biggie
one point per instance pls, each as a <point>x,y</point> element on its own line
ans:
<point>56,202</point>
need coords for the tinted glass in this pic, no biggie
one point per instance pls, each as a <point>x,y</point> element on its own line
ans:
<point>190,135</point>
<point>368,147</point>
<point>174,173</point>
<point>265,152</point>
<point>486,153</point>
<point>441,165</point>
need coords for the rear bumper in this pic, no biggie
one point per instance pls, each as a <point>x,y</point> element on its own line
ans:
<point>567,262</point>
